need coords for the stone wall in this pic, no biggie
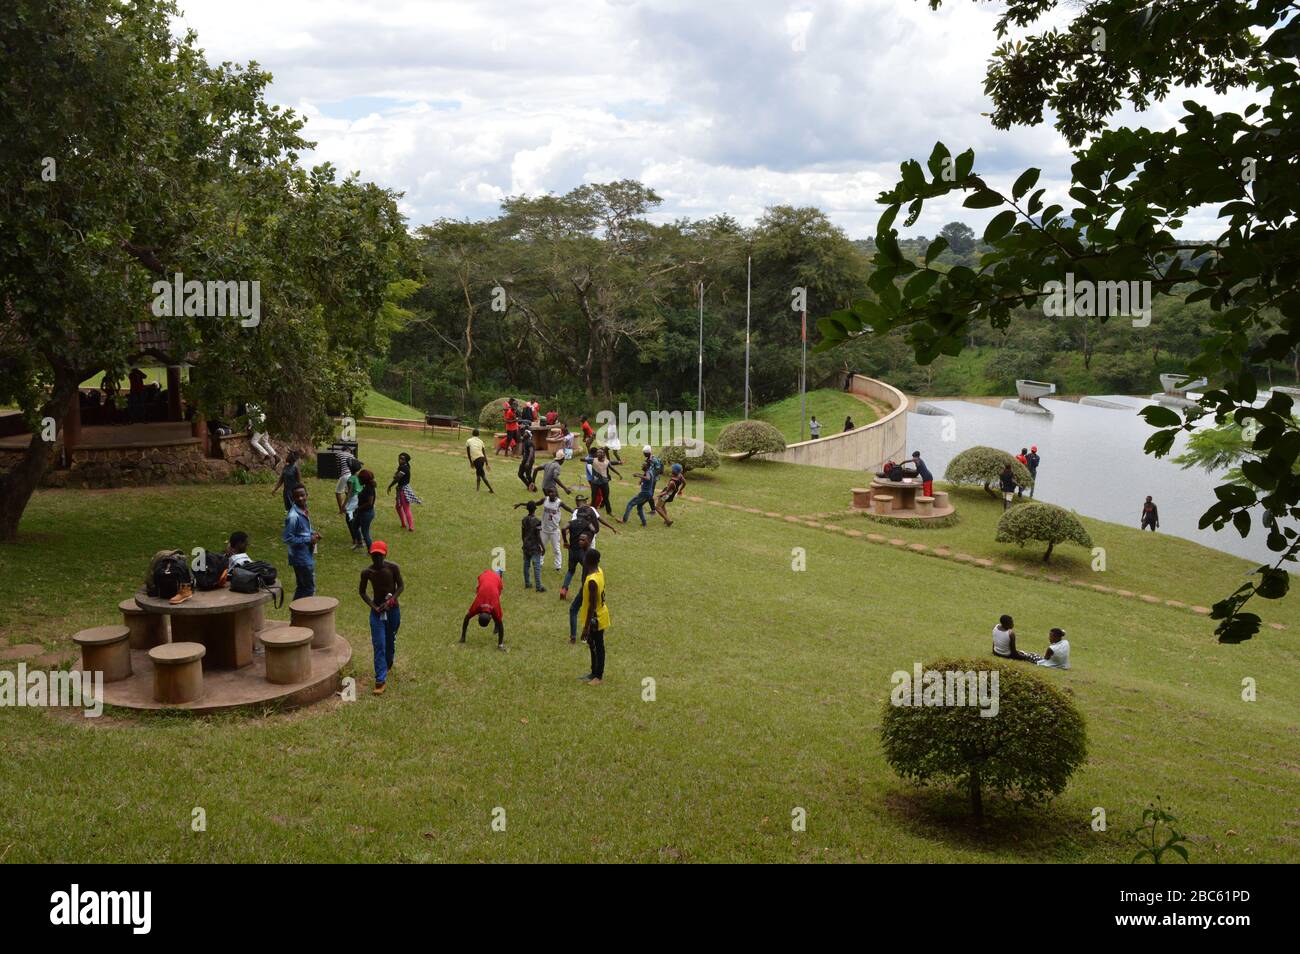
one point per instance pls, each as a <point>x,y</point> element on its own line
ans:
<point>865,447</point>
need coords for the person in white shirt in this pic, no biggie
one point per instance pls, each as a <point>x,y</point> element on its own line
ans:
<point>237,549</point>
<point>1058,653</point>
<point>612,442</point>
<point>815,427</point>
<point>261,441</point>
<point>1004,641</point>
<point>552,507</point>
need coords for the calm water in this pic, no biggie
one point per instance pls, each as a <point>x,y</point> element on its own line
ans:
<point>1092,462</point>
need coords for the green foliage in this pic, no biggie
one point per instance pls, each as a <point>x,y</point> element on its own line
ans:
<point>1027,751</point>
<point>750,438</point>
<point>1044,522</point>
<point>493,416</point>
<point>677,453</point>
<point>983,465</point>
<point>1131,189</point>
<point>1151,842</point>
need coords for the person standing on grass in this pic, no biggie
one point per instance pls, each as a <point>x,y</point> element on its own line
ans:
<point>601,468</point>
<point>530,529</point>
<point>527,458</point>
<point>1007,479</point>
<point>927,478</point>
<point>405,495</point>
<point>666,496</point>
<point>385,582</point>
<point>551,474</point>
<point>512,426</point>
<point>478,461</point>
<point>487,605</point>
<point>848,424</point>
<point>1023,457</point>
<point>584,521</point>
<point>1150,516</point>
<point>350,509</point>
<point>552,506</point>
<point>1032,460</point>
<point>588,434</point>
<point>595,615</point>
<point>301,539</point>
<point>815,427</point>
<point>613,444</point>
<point>290,479</point>
<point>365,512</point>
<point>584,546</point>
<point>646,494</point>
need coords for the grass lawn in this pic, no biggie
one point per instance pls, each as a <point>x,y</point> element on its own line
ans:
<point>380,405</point>
<point>828,405</point>
<point>769,685</point>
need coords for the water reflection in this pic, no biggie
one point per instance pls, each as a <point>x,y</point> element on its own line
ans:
<point>1092,462</point>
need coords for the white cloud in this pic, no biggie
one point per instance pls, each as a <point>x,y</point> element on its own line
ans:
<point>721,107</point>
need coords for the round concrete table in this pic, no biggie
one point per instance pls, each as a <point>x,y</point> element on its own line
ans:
<point>904,492</point>
<point>541,442</point>
<point>221,620</point>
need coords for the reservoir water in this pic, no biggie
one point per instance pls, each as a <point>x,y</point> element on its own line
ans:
<point>1092,463</point>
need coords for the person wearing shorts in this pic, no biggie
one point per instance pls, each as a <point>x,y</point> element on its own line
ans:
<point>478,460</point>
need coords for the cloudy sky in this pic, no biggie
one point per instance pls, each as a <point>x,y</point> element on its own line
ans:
<point>719,106</point>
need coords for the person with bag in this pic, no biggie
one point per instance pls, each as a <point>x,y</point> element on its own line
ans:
<point>301,539</point>
<point>384,580</point>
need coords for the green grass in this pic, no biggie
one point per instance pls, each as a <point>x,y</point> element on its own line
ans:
<point>828,405</point>
<point>769,686</point>
<point>380,405</point>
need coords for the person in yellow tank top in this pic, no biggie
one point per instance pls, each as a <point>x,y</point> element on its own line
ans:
<point>595,616</point>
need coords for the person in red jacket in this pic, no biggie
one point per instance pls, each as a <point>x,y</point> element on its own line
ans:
<point>512,427</point>
<point>487,605</point>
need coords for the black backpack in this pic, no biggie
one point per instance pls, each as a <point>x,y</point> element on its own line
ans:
<point>168,573</point>
<point>210,576</point>
<point>254,577</point>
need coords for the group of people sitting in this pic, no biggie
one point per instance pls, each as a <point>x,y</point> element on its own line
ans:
<point>1056,656</point>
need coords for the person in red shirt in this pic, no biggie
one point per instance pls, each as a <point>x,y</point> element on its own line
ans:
<point>588,434</point>
<point>487,606</point>
<point>512,427</point>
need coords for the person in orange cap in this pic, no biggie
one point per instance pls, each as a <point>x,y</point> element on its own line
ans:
<point>383,578</point>
<point>1031,461</point>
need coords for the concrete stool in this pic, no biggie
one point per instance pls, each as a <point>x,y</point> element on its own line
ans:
<point>288,654</point>
<point>147,629</point>
<point>884,503</point>
<point>940,499</point>
<point>925,506</point>
<point>177,671</point>
<point>317,614</point>
<point>106,649</point>
<point>861,498</point>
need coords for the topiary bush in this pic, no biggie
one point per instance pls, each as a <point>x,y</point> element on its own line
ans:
<point>983,465</point>
<point>493,415</point>
<point>750,438</point>
<point>677,453</point>
<point>1045,522</point>
<point>1026,751</point>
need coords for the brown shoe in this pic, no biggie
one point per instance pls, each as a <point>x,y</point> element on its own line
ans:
<point>593,682</point>
<point>379,688</point>
<point>182,594</point>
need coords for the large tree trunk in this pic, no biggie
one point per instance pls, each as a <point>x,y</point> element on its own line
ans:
<point>18,485</point>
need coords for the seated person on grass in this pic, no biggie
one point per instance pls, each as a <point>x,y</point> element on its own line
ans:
<point>1004,642</point>
<point>1058,653</point>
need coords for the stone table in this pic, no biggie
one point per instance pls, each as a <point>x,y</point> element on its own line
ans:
<point>221,620</point>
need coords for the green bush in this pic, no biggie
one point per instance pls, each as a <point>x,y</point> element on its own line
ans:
<point>750,438</point>
<point>1026,752</point>
<point>983,465</point>
<point>1045,522</point>
<point>493,416</point>
<point>676,453</point>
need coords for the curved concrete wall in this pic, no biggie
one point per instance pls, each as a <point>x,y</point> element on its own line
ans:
<point>863,448</point>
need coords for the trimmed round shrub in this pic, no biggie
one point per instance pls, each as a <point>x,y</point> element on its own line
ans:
<point>678,453</point>
<point>750,438</point>
<point>493,415</point>
<point>1043,522</point>
<point>983,465</point>
<point>1025,752</point>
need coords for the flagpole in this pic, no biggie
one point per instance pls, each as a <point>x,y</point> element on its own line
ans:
<point>749,272</point>
<point>699,396</point>
<point>803,373</point>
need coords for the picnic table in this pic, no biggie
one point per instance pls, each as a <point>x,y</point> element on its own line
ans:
<point>542,441</point>
<point>221,620</point>
<point>903,492</point>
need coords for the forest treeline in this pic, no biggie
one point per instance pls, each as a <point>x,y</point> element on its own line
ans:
<point>583,299</point>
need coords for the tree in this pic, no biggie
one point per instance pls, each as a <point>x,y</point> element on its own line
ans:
<point>749,438</point>
<point>1028,750</point>
<point>959,236</point>
<point>1131,190</point>
<point>678,453</point>
<point>1044,522</point>
<point>984,465</point>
